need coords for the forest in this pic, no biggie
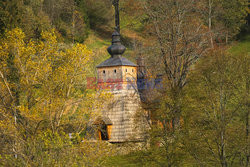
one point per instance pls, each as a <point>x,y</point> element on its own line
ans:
<point>49,50</point>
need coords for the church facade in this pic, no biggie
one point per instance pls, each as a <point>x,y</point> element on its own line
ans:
<point>120,120</point>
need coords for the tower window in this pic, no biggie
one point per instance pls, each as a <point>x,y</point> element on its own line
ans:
<point>126,70</point>
<point>132,70</point>
<point>115,71</point>
<point>103,71</point>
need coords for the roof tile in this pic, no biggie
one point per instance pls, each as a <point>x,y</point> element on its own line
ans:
<point>116,61</point>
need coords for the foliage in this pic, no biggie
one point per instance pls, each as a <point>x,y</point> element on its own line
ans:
<point>44,98</point>
<point>233,15</point>
<point>224,18</point>
<point>25,14</point>
<point>71,18</point>
<point>68,17</point>
<point>217,120</point>
<point>214,128</point>
<point>181,39</point>
<point>99,13</point>
<point>43,82</point>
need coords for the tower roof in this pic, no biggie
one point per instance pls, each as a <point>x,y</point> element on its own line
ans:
<point>116,49</point>
<point>116,61</point>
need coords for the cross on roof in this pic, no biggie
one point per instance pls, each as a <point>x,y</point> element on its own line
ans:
<point>117,17</point>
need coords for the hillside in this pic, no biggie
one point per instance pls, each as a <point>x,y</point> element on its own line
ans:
<point>187,104</point>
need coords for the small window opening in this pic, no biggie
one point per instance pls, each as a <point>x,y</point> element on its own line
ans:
<point>103,71</point>
<point>115,71</point>
<point>126,70</point>
<point>132,70</point>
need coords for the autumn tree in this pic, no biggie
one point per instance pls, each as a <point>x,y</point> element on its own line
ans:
<point>178,39</point>
<point>43,98</point>
<point>181,38</point>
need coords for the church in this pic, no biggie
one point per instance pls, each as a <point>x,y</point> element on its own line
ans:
<point>121,119</point>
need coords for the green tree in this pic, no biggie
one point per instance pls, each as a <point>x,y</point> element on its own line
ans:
<point>99,13</point>
<point>25,14</point>
<point>224,18</point>
<point>10,14</point>
<point>217,120</point>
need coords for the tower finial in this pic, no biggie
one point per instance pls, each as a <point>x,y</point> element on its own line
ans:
<point>116,47</point>
<point>117,16</point>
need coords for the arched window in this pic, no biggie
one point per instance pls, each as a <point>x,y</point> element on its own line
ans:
<point>115,70</point>
<point>126,70</point>
<point>103,71</point>
<point>132,70</point>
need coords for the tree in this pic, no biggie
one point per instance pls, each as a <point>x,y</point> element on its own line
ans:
<point>25,14</point>
<point>10,14</point>
<point>224,18</point>
<point>69,18</point>
<point>99,13</point>
<point>181,39</point>
<point>44,98</point>
<point>218,112</point>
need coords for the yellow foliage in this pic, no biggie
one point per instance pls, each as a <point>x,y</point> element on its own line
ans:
<point>44,97</point>
<point>51,80</point>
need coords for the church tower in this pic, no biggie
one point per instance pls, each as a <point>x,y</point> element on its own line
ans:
<point>119,122</point>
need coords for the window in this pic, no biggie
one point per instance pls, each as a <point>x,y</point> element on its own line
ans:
<point>132,70</point>
<point>103,71</point>
<point>126,70</point>
<point>115,71</point>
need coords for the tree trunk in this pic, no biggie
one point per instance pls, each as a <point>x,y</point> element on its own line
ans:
<point>226,37</point>
<point>223,154</point>
<point>247,126</point>
<point>247,138</point>
<point>210,22</point>
<point>73,23</point>
<point>222,126</point>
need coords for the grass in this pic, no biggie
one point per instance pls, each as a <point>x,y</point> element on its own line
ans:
<point>241,46</point>
<point>95,42</point>
<point>120,161</point>
<point>129,160</point>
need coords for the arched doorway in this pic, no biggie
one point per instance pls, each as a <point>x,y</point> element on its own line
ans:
<point>104,126</point>
<point>103,132</point>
